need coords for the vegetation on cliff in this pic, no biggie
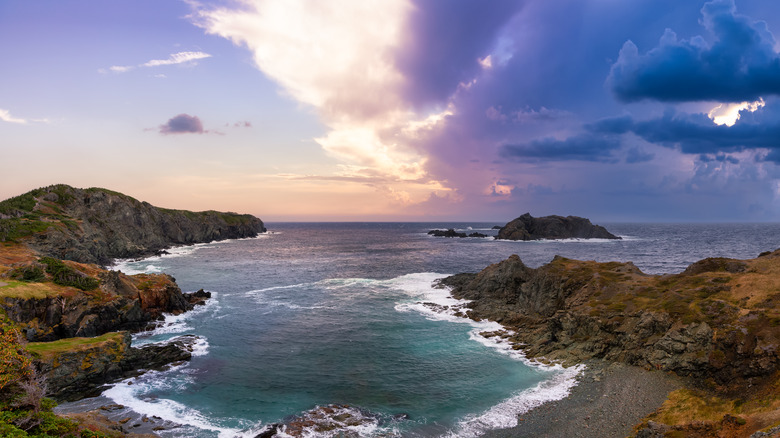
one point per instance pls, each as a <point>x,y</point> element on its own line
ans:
<point>96,225</point>
<point>717,324</point>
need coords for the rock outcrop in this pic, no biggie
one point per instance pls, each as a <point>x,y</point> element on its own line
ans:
<point>452,233</point>
<point>527,227</point>
<point>78,367</point>
<point>121,302</point>
<point>98,225</point>
<point>716,322</point>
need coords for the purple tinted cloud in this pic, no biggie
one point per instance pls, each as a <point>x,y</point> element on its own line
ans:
<point>182,124</point>
<point>446,39</point>
<point>583,147</point>
<point>696,134</point>
<point>740,65</point>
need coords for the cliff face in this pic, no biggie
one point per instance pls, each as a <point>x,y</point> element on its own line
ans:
<point>97,225</point>
<point>718,321</point>
<point>46,311</point>
<point>527,227</point>
<point>77,367</point>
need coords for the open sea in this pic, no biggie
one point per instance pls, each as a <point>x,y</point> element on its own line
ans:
<point>313,314</point>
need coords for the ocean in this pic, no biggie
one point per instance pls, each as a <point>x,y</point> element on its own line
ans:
<point>319,314</point>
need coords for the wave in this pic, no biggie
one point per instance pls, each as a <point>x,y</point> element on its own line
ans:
<point>504,415</point>
<point>176,324</point>
<point>129,393</point>
<point>438,304</point>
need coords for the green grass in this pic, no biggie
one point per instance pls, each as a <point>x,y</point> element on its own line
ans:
<point>70,344</point>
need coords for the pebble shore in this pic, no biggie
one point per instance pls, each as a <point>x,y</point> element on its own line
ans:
<point>608,401</point>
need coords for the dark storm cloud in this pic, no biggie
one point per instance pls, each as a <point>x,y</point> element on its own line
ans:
<point>697,134</point>
<point>446,39</point>
<point>583,147</point>
<point>739,65</point>
<point>183,124</point>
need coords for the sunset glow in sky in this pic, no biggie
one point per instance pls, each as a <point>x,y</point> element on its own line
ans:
<point>642,110</point>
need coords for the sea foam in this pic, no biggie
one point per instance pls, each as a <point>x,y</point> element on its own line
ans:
<point>438,304</point>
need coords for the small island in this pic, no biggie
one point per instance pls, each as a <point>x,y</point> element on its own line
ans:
<point>527,227</point>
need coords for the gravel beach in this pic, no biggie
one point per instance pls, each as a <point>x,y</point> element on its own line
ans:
<point>608,401</point>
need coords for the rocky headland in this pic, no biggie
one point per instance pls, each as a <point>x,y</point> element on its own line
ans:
<point>716,325</point>
<point>65,320</point>
<point>527,227</point>
<point>97,225</point>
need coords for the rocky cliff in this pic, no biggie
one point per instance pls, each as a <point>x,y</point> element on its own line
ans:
<point>527,227</point>
<point>717,323</point>
<point>78,367</point>
<point>97,225</point>
<point>706,322</point>
<point>45,310</point>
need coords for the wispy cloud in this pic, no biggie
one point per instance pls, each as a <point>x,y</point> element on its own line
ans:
<point>173,59</point>
<point>177,58</point>
<point>6,116</point>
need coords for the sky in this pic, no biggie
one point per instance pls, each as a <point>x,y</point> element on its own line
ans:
<point>399,110</point>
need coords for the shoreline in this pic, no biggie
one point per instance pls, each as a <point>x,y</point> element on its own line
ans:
<point>608,400</point>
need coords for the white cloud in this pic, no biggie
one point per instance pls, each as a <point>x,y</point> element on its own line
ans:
<point>174,58</point>
<point>728,113</point>
<point>120,68</point>
<point>177,58</point>
<point>5,116</point>
<point>338,57</point>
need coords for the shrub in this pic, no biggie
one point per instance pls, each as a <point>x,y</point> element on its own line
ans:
<point>64,275</point>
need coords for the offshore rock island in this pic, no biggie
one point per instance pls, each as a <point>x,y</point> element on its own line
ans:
<point>716,324</point>
<point>527,227</point>
<point>65,321</point>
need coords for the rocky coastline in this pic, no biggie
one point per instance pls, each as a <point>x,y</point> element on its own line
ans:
<point>65,320</point>
<point>97,225</point>
<point>715,326</point>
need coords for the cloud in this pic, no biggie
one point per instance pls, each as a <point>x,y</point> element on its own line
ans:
<point>182,124</point>
<point>177,58</point>
<point>448,42</point>
<point>740,65</point>
<point>174,58</point>
<point>696,134</point>
<point>638,155</point>
<point>583,147</point>
<point>341,59</point>
<point>5,116</point>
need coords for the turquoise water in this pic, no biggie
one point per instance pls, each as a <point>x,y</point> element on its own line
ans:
<point>314,314</point>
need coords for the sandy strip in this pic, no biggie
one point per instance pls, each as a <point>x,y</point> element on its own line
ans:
<point>608,401</point>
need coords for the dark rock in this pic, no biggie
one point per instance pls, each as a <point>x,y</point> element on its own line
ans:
<point>197,298</point>
<point>271,431</point>
<point>446,233</point>
<point>527,227</point>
